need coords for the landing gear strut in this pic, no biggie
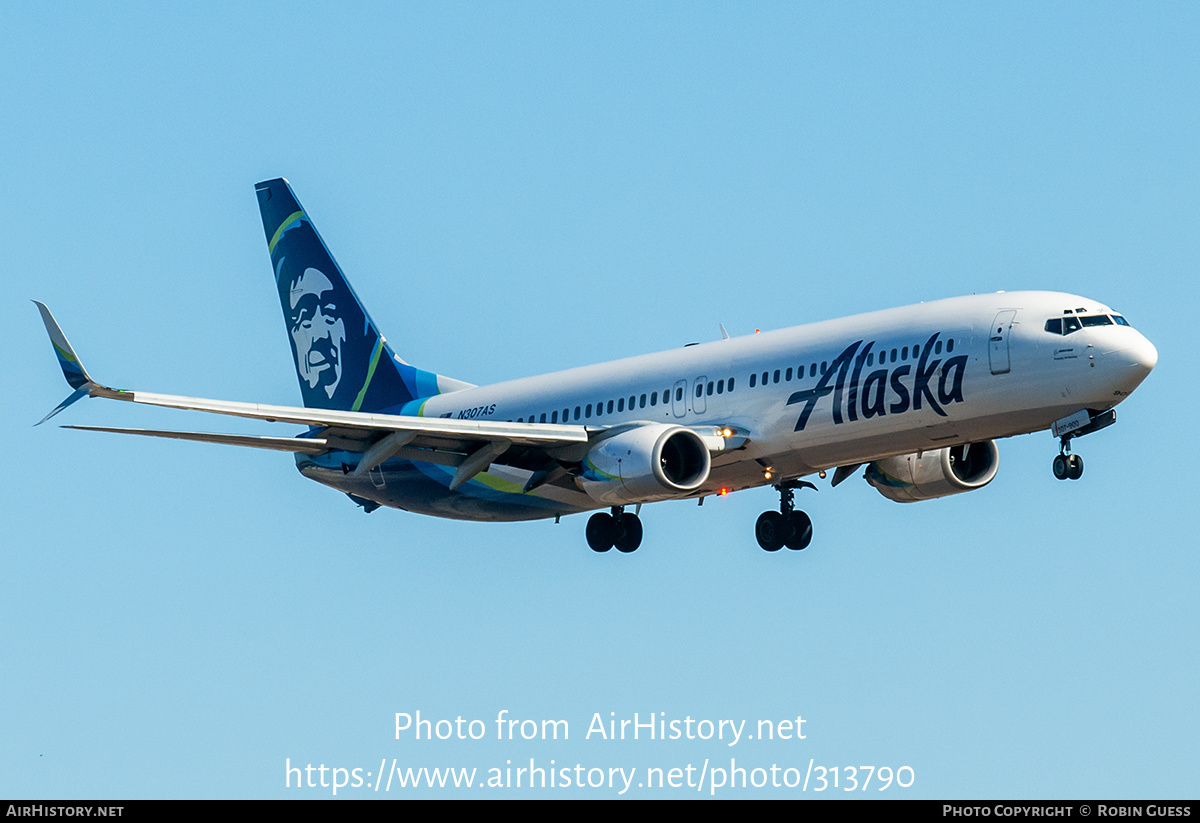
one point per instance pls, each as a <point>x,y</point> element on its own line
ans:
<point>788,526</point>
<point>620,529</point>
<point>1067,466</point>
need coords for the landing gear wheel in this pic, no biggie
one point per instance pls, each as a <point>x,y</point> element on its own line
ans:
<point>771,531</point>
<point>629,533</point>
<point>601,532</point>
<point>1074,467</point>
<point>1061,469</point>
<point>802,531</point>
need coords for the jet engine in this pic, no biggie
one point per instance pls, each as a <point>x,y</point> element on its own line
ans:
<point>952,470</point>
<point>654,461</point>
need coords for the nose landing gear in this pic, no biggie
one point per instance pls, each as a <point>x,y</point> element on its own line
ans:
<point>1067,466</point>
<point>788,526</point>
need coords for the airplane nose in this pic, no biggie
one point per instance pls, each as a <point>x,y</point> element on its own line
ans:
<point>1142,355</point>
<point>1135,360</point>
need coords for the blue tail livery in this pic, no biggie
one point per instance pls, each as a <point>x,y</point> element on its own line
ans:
<point>342,360</point>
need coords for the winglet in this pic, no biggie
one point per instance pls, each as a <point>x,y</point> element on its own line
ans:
<point>72,369</point>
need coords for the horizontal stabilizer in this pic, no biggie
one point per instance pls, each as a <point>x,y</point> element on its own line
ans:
<point>296,445</point>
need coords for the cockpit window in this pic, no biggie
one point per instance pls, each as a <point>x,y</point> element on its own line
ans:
<point>1062,325</point>
<point>1072,323</point>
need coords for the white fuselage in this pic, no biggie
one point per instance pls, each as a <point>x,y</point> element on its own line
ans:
<point>808,398</point>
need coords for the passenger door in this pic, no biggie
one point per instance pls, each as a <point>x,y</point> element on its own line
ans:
<point>998,342</point>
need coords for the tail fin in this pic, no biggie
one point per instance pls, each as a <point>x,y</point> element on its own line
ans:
<point>342,360</point>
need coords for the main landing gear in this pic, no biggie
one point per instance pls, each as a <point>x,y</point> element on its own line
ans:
<point>619,529</point>
<point>788,526</point>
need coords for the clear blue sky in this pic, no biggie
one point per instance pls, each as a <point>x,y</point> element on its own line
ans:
<point>520,188</point>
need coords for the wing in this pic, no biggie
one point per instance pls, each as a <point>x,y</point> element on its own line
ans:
<point>469,445</point>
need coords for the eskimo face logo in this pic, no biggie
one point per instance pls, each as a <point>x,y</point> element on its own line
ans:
<point>318,331</point>
<point>870,396</point>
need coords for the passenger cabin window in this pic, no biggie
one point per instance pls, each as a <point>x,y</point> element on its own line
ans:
<point>753,380</point>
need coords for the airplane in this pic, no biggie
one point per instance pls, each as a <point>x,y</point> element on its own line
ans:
<point>915,396</point>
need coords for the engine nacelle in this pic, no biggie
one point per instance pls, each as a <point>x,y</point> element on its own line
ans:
<point>655,461</point>
<point>953,470</point>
